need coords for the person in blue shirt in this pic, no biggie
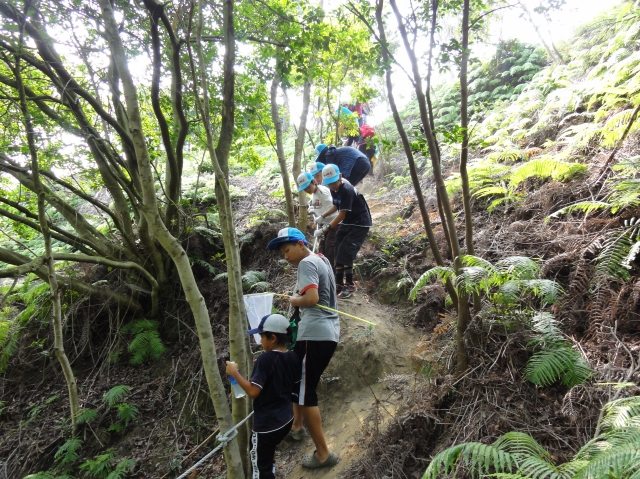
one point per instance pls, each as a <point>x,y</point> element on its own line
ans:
<point>352,163</point>
<point>352,224</point>
<point>276,373</point>
<point>348,126</point>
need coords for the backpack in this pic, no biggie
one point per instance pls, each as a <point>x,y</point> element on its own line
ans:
<point>367,131</point>
<point>293,324</point>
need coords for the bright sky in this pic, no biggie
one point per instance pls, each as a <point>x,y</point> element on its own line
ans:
<point>572,15</point>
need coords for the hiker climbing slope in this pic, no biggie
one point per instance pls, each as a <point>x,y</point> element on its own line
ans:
<point>353,164</point>
<point>352,223</point>
<point>321,202</point>
<point>318,335</point>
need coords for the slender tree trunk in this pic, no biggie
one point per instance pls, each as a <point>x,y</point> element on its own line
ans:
<point>173,247</point>
<point>463,306</point>
<point>284,170</point>
<point>557,60</point>
<point>303,219</point>
<point>464,151</point>
<point>427,92</point>
<point>56,306</point>
<point>415,179</point>
<point>464,123</point>
<point>238,340</point>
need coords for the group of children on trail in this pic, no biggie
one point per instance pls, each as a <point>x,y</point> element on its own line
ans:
<point>283,383</point>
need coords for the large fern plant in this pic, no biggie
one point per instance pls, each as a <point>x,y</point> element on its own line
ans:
<point>614,454</point>
<point>514,284</point>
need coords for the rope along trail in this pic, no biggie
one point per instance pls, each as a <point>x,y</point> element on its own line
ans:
<point>330,309</point>
<point>231,434</point>
<point>224,439</point>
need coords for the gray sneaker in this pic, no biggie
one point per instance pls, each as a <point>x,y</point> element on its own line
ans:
<point>298,435</point>
<point>347,291</point>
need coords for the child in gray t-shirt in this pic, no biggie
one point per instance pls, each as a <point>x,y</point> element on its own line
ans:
<point>318,335</point>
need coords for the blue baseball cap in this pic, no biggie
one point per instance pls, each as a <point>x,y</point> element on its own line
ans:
<point>272,323</point>
<point>330,174</point>
<point>319,149</point>
<point>286,235</point>
<point>315,167</point>
<point>304,180</point>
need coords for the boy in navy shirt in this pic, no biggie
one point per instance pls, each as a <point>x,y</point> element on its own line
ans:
<point>271,386</point>
<point>352,223</point>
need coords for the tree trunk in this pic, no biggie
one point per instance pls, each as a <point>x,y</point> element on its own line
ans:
<point>238,340</point>
<point>464,151</point>
<point>303,218</point>
<point>552,55</point>
<point>173,247</point>
<point>415,179</point>
<point>284,170</point>
<point>463,306</point>
<point>56,306</point>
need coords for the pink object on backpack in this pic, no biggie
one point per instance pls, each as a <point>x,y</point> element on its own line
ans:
<point>367,131</point>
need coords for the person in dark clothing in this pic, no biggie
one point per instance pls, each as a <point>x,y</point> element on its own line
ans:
<point>352,163</point>
<point>352,222</point>
<point>276,373</point>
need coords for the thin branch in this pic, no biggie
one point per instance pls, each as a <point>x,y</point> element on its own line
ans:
<point>473,24</point>
<point>353,9</point>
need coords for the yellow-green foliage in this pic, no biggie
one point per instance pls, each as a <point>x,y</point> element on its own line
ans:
<point>590,99</point>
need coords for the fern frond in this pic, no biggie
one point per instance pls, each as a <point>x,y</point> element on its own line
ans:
<point>615,126</point>
<point>87,415</point>
<point>585,207</point>
<point>625,194</point>
<point>224,275</point>
<point>477,457</point>
<point>547,290</point>
<point>116,394</point>
<point>442,273</point>
<point>556,361</point>
<point>546,167</point>
<point>472,279</point>
<point>618,413</point>
<point>493,190</point>
<point>612,255</point>
<point>615,463</point>
<point>252,277</point>
<point>546,324</point>
<point>122,470</point>
<point>536,467</point>
<point>519,267</point>
<point>37,291</point>
<point>521,445</point>
<point>146,343</point>
<point>68,452</point>
<point>470,260</point>
<point>260,286</point>
<point>127,412</point>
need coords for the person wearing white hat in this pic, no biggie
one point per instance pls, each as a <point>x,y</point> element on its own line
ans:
<point>321,202</point>
<point>352,223</point>
<point>315,169</point>
<point>272,386</point>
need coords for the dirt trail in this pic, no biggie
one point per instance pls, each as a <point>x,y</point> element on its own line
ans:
<point>350,387</point>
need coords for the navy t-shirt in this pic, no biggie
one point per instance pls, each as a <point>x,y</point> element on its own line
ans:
<point>348,199</point>
<point>275,372</point>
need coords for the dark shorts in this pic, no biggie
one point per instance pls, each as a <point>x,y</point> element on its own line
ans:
<point>315,357</point>
<point>349,240</point>
<point>359,171</point>
<point>328,247</point>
